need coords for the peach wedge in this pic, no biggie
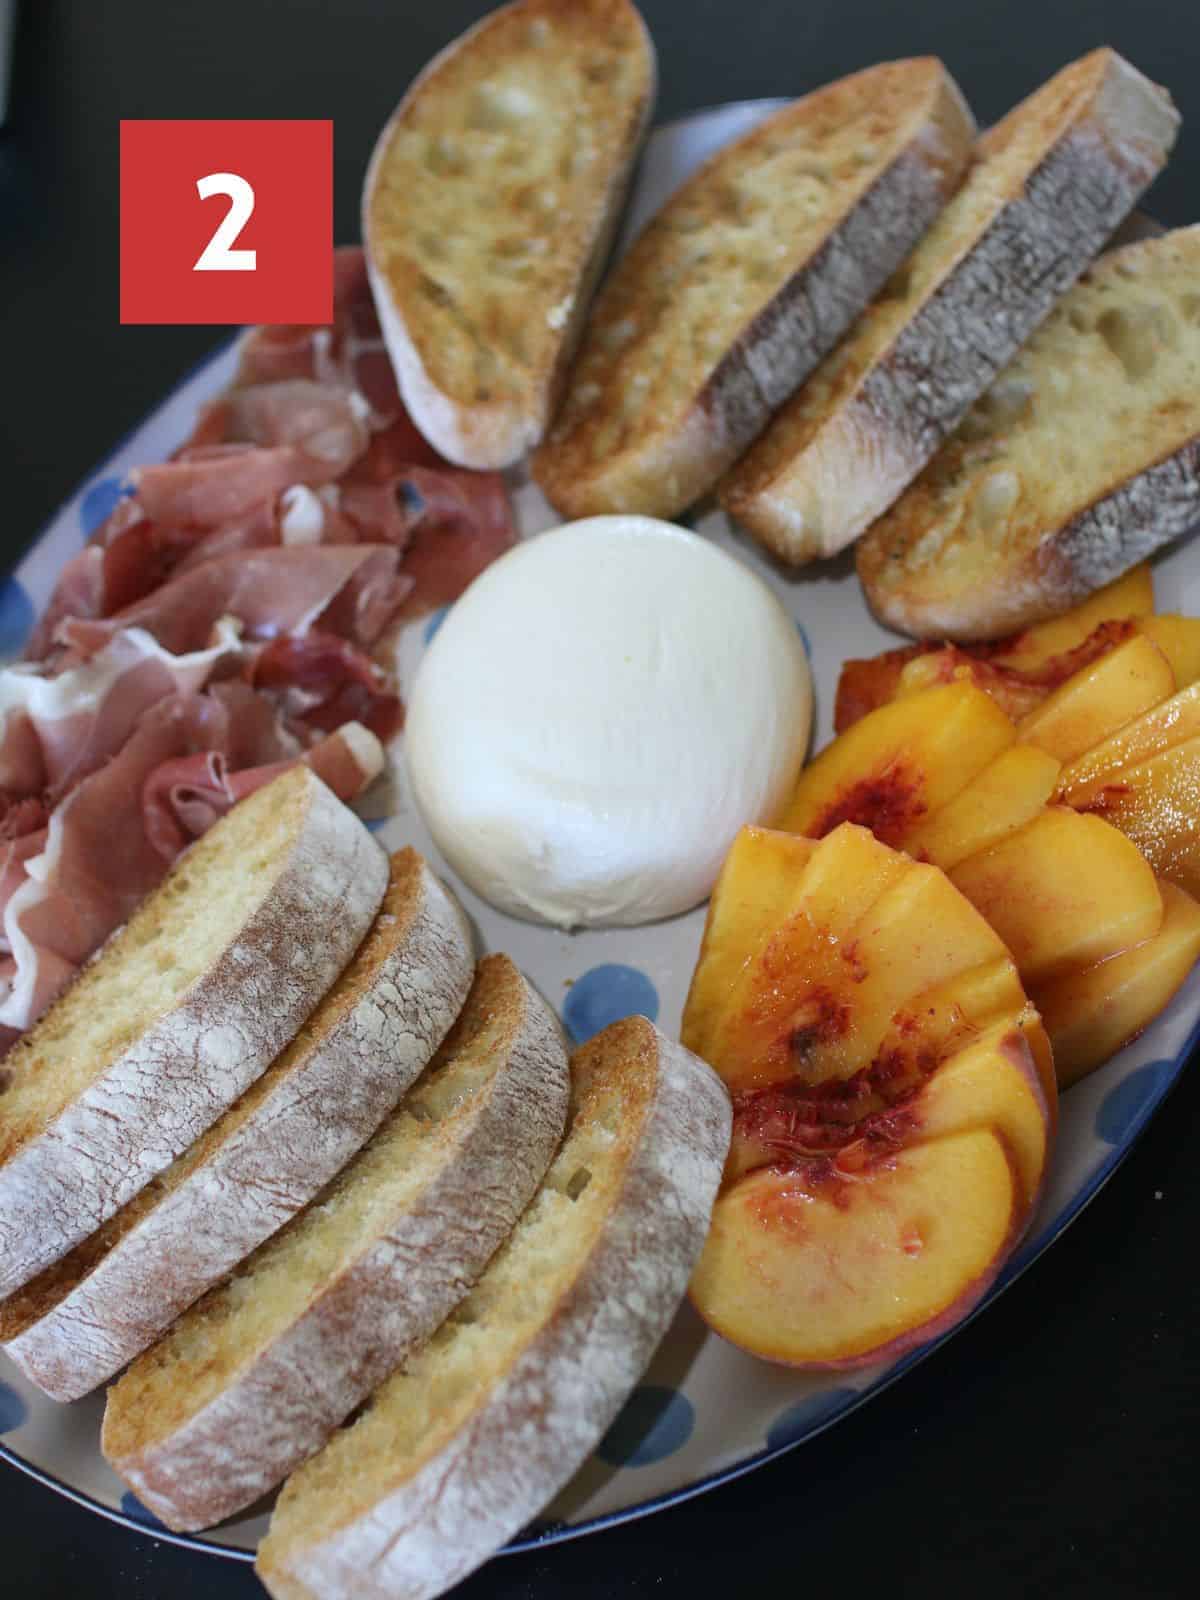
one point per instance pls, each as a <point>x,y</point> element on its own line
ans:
<point>1092,1013</point>
<point>1098,701</point>
<point>1019,672</point>
<point>1064,890</point>
<point>900,763</point>
<point>894,1102</point>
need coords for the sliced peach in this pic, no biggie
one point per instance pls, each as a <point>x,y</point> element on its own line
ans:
<point>817,1268</point>
<point>1104,697</point>
<point>753,894</point>
<point>889,1230</point>
<point>1129,596</point>
<point>893,1097</point>
<point>1173,722</point>
<point>1008,793</point>
<point>970,1091</point>
<point>1091,1014</point>
<point>1179,640</point>
<point>1061,895</point>
<point>766,886</point>
<point>869,682</point>
<point>1156,804</point>
<point>1015,694</point>
<point>900,763</point>
<point>1020,671</point>
<point>814,1001</point>
<point>950,1016</point>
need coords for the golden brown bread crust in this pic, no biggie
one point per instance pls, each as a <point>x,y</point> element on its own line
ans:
<point>195,1451</point>
<point>1050,183</point>
<point>426,1519</point>
<point>744,281</point>
<point>180,1070</point>
<point>86,1317</point>
<point>1082,460</point>
<point>481,349</point>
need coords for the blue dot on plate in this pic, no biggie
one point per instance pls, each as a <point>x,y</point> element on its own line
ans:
<point>653,1423</point>
<point>133,1507</point>
<point>806,1416</point>
<point>804,639</point>
<point>435,622</point>
<point>16,617</point>
<point>13,1410</point>
<point>1123,1107</point>
<point>375,823</point>
<point>99,502</point>
<point>606,994</point>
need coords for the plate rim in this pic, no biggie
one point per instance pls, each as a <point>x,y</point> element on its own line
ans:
<point>559,1533</point>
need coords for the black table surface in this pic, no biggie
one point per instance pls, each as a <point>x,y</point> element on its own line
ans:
<point>1051,1447</point>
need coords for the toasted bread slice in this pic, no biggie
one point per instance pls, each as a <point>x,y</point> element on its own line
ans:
<point>290,1133</point>
<point>254,1377</point>
<point>489,207</point>
<point>1049,185</point>
<point>479,1429</point>
<point>179,1013</point>
<point>1082,459</point>
<point>744,281</point>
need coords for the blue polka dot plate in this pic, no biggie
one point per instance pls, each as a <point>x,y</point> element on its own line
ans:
<point>703,1412</point>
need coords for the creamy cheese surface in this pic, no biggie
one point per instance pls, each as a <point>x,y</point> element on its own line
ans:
<point>598,715</point>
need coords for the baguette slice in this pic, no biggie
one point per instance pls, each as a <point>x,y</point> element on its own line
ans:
<point>1082,459</point>
<point>744,281</point>
<point>255,1377</point>
<point>179,1013</point>
<point>1050,184</point>
<point>290,1133</point>
<point>478,1430</point>
<point>489,206</point>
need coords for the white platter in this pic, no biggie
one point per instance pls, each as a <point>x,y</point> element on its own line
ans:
<point>704,1412</point>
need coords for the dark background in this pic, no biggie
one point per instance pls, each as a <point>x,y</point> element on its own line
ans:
<point>1052,1446</point>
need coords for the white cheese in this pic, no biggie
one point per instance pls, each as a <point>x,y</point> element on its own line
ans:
<point>599,714</point>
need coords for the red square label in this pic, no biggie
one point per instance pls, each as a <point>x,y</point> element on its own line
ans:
<point>227,222</point>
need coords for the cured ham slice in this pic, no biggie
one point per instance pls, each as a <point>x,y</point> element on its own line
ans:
<point>270,592</point>
<point>324,424</point>
<point>97,863</point>
<point>324,682</point>
<point>125,558</point>
<point>56,728</point>
<point>369,599</point>
<point>458,523</point>
<point>214,484</point>
<point>215,628</point>
<point>115,835</point>
<point>184,797</point>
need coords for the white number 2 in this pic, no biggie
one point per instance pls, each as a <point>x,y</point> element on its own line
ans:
<point>217,256</point>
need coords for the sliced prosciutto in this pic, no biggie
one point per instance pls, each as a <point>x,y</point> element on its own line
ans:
<point>278,590</point>
<point>116,834</point>
<point>183,797</point>
<point>56,728</point>
<point>217,628</point>
<point>458,523</point>
<point>324,682</point>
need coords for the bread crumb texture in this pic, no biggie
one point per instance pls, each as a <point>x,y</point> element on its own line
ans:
<point>1107,388</point>
<point>493,181</point>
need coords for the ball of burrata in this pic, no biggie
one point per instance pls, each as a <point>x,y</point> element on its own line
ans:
<point>599,714</point>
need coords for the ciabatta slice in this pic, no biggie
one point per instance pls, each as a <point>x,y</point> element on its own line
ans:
<point>744,281</point>
<point>179,1013</point>
<point>489,206</point>
<point>478,1430</point>
<point>290,1133</point>
<point>1083,458</point>
<point>255,1377</point>
<point>1050,184</point>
